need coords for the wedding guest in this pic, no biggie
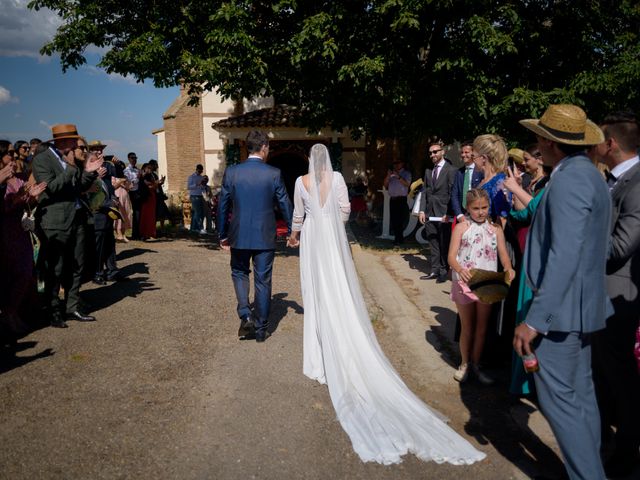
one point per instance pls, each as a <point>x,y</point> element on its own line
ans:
<point>614,368</point>
<point>196,185</point>
<point>121,186</point>
<point>490,155</point>
<point>565,266</point>
<point>475,243</point>
<point>147,190</point>
<point>133,176</point>
<point>23,168</point>
<point>162,211</point>
<point>16,250</point>
<point>397,184</point>
<point>61,220</point>
<point>467,177</point>
<point>438,185</point>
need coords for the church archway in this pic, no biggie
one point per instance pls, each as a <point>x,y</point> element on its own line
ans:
<point>292,160</point>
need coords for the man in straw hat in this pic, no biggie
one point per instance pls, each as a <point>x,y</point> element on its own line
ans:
<point>62,218</point>
<point>564,262</point>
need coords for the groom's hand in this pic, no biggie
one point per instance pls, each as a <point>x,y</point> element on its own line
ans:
<point>224,244</point>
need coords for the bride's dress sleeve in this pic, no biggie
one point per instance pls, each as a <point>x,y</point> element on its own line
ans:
<point>342,194</point>
<point>298,207</point>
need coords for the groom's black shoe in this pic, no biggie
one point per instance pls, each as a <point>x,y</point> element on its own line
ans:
<point>247,328</point>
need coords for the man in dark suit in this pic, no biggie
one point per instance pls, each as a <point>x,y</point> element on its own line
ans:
<point>61,218</point>
<point>467,177</point>
<point>251,190</point>
<point>614,367</point>
<point>438,185</point>
<point>564,263</point>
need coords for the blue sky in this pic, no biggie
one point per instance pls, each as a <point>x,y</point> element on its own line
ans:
<point>35,94</point>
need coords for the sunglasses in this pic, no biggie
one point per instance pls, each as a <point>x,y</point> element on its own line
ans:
<point>81,147</point>
<point>24,147</point>
<point>433,152</point>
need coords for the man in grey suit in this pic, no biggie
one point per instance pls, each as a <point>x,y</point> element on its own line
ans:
<point>564,262</point>
<point>438,185</point>
<point>614,367</point>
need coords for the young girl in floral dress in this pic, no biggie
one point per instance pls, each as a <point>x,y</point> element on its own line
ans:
<point>475,243</point>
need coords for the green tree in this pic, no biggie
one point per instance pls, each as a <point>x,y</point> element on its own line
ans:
<point>388,68</point>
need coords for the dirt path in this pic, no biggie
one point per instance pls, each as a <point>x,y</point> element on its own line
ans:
<point>160,387</point>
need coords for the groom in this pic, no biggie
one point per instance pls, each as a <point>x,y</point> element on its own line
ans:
<point>250,191</point>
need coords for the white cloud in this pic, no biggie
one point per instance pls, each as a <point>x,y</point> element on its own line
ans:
<point>23,32</point>
<point>113,77</point>
<point>45,124</point>
<point>6,97</point>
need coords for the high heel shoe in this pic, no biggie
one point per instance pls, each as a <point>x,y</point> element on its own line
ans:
<point>125,239</point>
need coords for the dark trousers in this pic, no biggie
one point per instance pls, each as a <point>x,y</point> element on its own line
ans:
<point>64,262</point>
<point>105,249</point>
<point>398,210</point>
<point>617,382</point>
<point>197,212</point>
<point>438,236</point>
<point>136,203</point>
<point>262,267</point>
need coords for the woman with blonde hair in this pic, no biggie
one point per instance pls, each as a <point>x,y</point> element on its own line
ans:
<point>490,156</point>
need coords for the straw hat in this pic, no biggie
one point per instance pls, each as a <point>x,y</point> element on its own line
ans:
<point>96,145</point>
<point>489,287</point>
<point>517,155</point>
<point>63,130</point>
<point>566,124</point>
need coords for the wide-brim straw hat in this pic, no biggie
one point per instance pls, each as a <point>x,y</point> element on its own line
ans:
<point>566,124</point>
<point>96,144</point>
<point>517,155</point>
<point>63,130</point>
<point>489,287</point>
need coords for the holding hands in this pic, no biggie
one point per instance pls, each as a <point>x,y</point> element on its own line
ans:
<point>293,241</point>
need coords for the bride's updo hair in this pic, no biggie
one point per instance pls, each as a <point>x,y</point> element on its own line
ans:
<point>493,147</point>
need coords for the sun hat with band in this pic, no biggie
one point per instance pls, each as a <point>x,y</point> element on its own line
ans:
<point>96,145</point>
<point>62,131</point>
<point>566,124</point>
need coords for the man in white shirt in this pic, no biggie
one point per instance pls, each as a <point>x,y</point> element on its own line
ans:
<point>133,175</point>
<point>196,184</point>
<point>615,373</point>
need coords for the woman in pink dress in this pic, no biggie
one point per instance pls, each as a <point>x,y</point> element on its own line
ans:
<point>121,186</point>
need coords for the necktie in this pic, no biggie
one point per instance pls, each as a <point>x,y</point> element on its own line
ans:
<point>465,186</point>
<point>434,175</point>
<point>611,178</point>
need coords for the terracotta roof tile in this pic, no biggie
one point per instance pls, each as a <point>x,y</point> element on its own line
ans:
<point>277,116</point>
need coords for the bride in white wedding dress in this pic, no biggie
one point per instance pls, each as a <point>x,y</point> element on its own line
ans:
<point>382,417</point>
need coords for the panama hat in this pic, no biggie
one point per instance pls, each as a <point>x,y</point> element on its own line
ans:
<point>489,287</point>
<point>96,145</point>
<point>63,130</point>
<point>517,155</point>
<point>566,124</point>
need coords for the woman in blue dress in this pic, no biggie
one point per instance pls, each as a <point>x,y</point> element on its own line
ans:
<point>490,156</point>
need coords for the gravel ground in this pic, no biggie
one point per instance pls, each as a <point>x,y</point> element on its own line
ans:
<point>160,387</point>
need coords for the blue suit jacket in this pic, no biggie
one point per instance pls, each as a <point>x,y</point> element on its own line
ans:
<point>250,191</point>
<point>458,186</point>
<point>566,251</point>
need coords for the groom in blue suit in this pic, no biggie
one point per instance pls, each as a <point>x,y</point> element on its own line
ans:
<point>564,262</point>
<point>250,192</point>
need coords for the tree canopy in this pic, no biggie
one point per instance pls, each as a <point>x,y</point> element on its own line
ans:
<point>388,68</point>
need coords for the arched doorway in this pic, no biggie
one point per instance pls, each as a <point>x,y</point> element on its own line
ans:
<point>292,161</point>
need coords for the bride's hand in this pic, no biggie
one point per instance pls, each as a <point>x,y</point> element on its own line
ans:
<point>293,242</point>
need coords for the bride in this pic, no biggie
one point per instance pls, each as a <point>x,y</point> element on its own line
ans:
<point>382,417</point>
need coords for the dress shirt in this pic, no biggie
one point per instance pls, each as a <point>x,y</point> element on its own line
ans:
<point>133,175</point>
<point>194,184</point>
<point>623,167</point>
<point>437,168</point>
<point>396,188</point>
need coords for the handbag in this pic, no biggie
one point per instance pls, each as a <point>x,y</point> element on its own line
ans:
<point>28,221</point>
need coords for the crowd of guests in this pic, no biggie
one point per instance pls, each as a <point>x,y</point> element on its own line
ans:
<point>63,207</point>
<point>561,219</point>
